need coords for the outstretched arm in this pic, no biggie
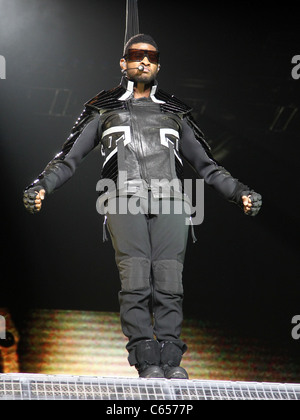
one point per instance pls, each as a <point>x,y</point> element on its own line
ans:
<point>83,138</point>
<point>201,160</point>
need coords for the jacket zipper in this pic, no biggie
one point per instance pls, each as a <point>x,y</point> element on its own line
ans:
<point>135,135</point>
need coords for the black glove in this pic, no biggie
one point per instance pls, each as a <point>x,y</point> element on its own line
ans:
<point>256,201</point>
<point>29,197</point>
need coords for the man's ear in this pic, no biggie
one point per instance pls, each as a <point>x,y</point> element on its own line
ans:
<point>123,64</point>
<point>158,67</point>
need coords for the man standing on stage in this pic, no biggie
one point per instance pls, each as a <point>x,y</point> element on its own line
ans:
<point>144,133</point>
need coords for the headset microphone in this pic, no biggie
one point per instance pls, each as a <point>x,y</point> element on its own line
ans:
<point>140,68</point>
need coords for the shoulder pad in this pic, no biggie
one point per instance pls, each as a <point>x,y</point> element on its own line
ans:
<point>171,103</point>
<point>107,99</point>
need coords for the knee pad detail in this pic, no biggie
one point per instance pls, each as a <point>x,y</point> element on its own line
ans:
<point>134,273</point>
<point>167,275</point>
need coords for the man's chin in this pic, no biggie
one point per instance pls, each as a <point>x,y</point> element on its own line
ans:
<point>143,78</point>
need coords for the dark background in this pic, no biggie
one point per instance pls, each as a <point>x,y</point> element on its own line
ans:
<point>233,65</point>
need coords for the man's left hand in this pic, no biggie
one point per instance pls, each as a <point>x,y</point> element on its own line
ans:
<point>247,203</point>
<point>251,203</point>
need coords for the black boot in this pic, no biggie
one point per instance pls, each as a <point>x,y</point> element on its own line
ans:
<point>170,357</point>
<point>148,357</point>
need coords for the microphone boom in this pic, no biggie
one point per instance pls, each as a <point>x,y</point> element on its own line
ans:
<point>140,68</point>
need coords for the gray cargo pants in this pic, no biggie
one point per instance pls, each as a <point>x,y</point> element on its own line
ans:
<point>149,253</point>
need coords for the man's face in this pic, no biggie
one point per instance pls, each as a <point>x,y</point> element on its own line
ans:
<point>150,69</point>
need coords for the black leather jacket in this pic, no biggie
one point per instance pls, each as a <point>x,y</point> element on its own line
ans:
<point>147,139</point>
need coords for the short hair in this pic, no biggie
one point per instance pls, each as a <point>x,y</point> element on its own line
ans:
<point>146,39</point>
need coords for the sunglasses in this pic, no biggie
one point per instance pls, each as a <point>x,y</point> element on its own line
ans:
<point>138,55</point>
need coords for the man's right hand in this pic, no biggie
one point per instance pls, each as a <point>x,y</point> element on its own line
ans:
<point>33,198</point>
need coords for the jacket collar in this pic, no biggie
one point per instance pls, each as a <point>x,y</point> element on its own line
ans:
<point>128,85</point>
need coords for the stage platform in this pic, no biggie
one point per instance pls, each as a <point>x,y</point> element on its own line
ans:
<point>62,387</point>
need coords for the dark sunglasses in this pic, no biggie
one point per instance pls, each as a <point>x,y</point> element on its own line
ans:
<point>138,55</point>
